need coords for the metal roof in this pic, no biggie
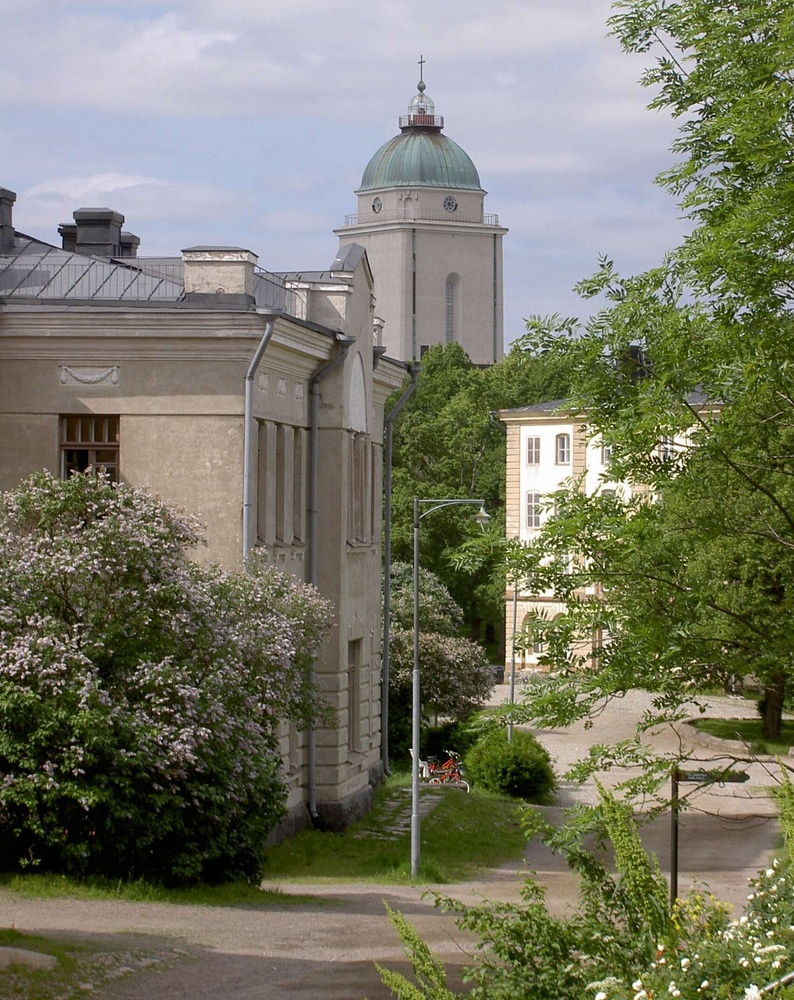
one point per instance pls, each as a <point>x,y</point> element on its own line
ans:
<point>420,157</point>
<point>40,271</point>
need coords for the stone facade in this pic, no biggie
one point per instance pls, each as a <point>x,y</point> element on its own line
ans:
<point>165,363</point>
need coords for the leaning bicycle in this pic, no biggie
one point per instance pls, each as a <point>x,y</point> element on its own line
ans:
<point>435,771</point>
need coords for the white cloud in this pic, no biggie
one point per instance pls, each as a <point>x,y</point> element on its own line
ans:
<point>148,204</point>
<point>250,122</point>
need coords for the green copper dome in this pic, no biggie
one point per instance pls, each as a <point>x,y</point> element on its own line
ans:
<point>420,156</point>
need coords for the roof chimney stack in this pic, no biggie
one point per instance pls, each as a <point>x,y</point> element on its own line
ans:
<point>7,199</point>
<point>219,274</point>
<point>98,232</point>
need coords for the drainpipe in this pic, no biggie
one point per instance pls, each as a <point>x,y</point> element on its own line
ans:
<point>414,370</point>
<point>248,418</point>
<point>345,343</point>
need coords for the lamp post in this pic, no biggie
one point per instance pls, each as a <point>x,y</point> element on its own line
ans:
<point>482,518</point>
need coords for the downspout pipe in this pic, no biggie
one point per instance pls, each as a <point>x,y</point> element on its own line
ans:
<point>248,436</point>
<point>414,371</point>
<point>345,343</point>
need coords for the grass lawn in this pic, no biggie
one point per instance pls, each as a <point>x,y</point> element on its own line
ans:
<point>463,834</point>
<point>749,732</point>
<point>45,886</point>
<point>25,983</point>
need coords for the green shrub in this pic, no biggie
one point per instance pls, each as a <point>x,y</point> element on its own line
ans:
<point>436,740</point>
<point>521,768</point>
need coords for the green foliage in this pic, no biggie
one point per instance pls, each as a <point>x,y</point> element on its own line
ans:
<point>456,676</point>
<point>139,691</point>
<point>521,768</point>
<point>623,942</point>
<point>457,736</point>
<point>446,445</point>
<point>697,586</point>
<point>430,976</point>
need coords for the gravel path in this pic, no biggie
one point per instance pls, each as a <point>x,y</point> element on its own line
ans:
<point>328,949</point>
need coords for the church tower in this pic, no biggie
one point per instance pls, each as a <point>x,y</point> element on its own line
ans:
<point>435,256</point>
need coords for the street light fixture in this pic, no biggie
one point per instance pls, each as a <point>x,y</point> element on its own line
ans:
<point>482,517</point>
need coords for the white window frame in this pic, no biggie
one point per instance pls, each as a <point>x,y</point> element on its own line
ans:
<point>533,509</point>
<point>533,450</point>
<point>562,449</point>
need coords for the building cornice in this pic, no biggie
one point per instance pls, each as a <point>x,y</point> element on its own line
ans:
<point>426,225</point>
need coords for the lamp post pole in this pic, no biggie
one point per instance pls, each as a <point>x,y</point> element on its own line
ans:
<point>482,519</point>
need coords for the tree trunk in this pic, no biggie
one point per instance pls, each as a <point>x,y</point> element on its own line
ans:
<point>772,703</point>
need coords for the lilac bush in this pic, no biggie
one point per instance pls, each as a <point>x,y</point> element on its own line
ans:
<point>456,674</point>
<point>139,690</point>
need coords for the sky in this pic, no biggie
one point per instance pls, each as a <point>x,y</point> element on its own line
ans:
<point>250,123</point>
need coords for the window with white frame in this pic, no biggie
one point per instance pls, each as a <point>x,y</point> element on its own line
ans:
<point>563,449</point>
<point>533,510</point>
<point>533,451</point>
<point>606,454</point>
<point>667,449</point>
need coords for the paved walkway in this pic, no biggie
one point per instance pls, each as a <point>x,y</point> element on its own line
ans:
<point>328,949</point>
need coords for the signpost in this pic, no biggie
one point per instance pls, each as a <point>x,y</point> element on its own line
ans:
<point>702,776</point>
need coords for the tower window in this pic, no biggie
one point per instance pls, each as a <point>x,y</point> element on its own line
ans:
<point>452,308</point>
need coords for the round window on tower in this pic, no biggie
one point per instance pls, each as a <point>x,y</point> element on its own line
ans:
<point>377,205</point>
<point>450,204</point>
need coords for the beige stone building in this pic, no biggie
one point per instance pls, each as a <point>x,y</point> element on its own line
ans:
<point>252,399</point>
<point>436,253</point>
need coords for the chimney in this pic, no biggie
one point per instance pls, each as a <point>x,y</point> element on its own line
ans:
<point>129,244</point>
<point>68,233</point>
<point>7,199</point>
<point>98,232</point>
<point>219,274</point>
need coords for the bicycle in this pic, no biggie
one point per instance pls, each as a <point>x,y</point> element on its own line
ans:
<point>448,772</point>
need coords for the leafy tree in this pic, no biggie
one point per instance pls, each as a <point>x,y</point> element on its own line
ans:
<point>139,691</point>
<point>455,674</point>
<point>698,584</point>
<point>447,445</point>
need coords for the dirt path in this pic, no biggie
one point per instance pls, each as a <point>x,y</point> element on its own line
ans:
<point>328,949</point>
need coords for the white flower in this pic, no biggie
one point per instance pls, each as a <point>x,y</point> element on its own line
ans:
<point>752,992</point>
<point>636,985</point>
<point>770,872</point>
<point>601,996</point>
<point>705,984</point>
<point>685,963</point>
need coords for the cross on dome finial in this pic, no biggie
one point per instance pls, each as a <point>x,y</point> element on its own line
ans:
<point>421,110</point>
